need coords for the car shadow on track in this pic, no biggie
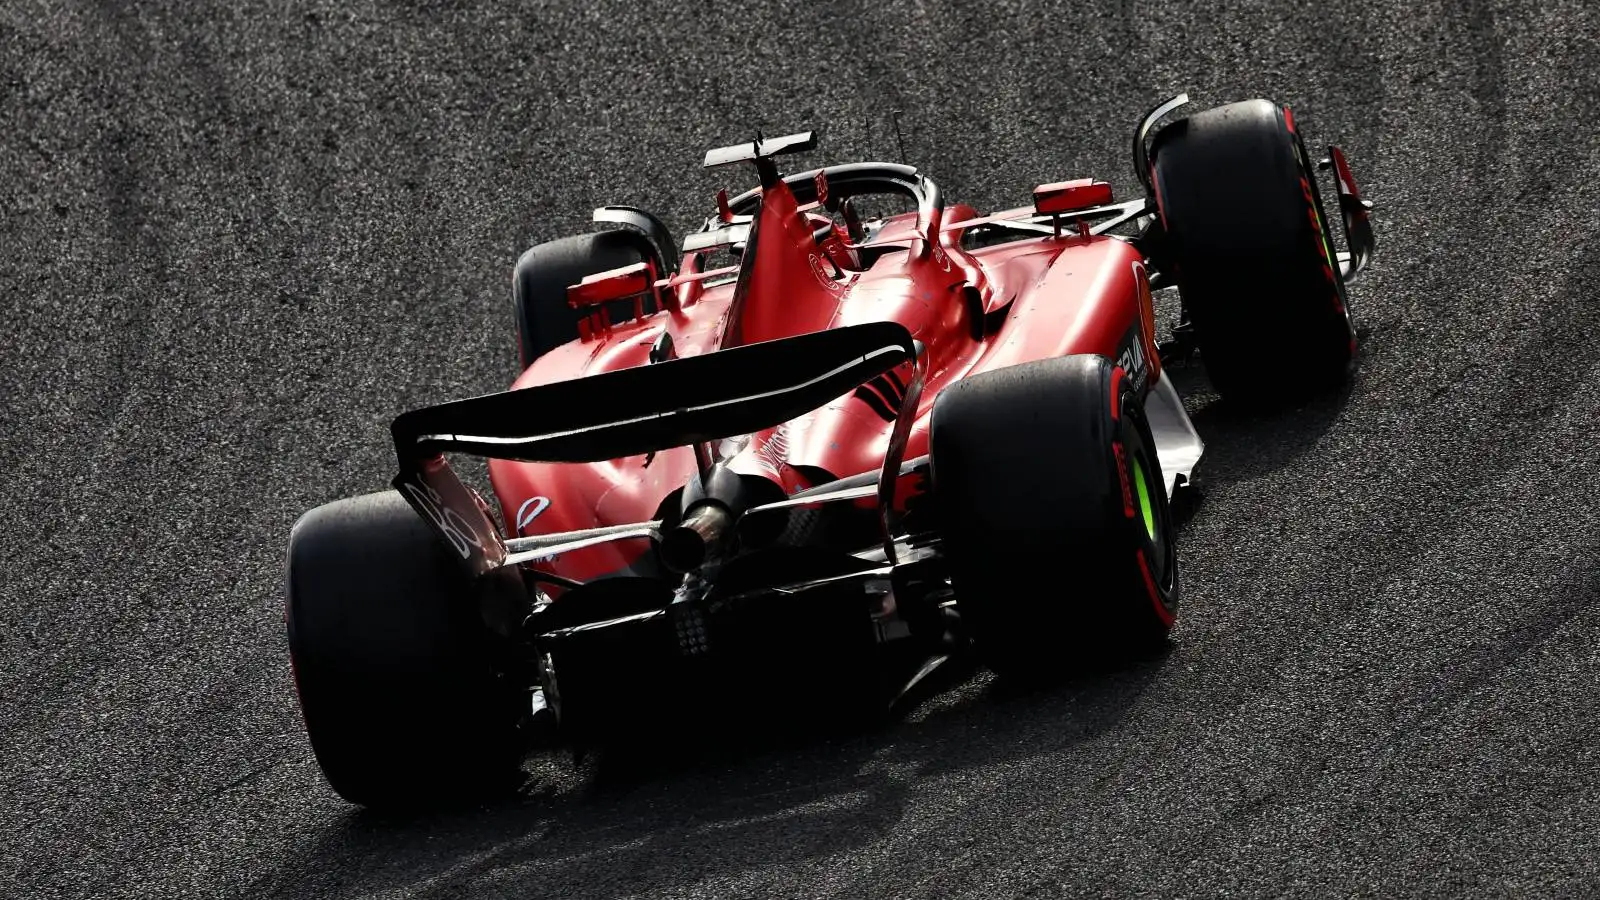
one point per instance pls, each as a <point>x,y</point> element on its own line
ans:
<point>723,805</point>
<point>671,814</point>
<point>1244,443</point>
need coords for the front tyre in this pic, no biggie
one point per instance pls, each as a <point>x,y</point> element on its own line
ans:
<point>402,686</point>
<point>1054,513</point>
<point>1247,239</point>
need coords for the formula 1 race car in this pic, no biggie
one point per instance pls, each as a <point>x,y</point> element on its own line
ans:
<point>756,465</point>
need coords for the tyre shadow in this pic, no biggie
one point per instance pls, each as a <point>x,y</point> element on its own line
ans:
<point>731,800</point>
<point>1243,442</point>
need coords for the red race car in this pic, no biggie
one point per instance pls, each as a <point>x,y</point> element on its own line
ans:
<point>812,444</point>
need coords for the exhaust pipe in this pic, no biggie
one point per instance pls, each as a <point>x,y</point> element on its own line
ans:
<point>702,535</point>
<point>713,504</point>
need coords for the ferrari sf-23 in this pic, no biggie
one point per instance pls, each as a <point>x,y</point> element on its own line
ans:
<point>810,439</point>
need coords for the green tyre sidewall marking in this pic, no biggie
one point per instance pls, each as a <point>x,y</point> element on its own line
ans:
<point>1142,486</point>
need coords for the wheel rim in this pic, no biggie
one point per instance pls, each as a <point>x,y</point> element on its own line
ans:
<point>1153,515</point>
<point>1141,482</point>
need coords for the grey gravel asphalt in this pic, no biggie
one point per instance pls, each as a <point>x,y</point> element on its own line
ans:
<point>237,239</point>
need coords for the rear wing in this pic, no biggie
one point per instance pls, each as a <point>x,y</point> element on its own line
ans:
<point>628,412</point>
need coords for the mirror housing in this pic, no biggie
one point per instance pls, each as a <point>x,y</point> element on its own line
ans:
<point>1070,196</point>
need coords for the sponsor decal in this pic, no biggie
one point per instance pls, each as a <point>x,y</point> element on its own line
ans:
<point>1147,317</point>
<point>823,277</point>
<point>773,454</point>
<point>530,509</point>
<point>1132,359</point>
<point>449,523</point>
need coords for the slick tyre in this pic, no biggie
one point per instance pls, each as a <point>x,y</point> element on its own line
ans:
<point>1247,239</point>
<point>1052,506</point>
<point>543,274</point>
<point>402,687</point>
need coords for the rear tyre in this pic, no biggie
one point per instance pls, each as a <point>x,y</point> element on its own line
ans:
<point>402,686</point>
<point>543,274</point>
<point>1054,515</point>
<point>1247,239</point>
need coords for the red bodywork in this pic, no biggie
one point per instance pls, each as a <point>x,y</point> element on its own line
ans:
<point>1043,296</point>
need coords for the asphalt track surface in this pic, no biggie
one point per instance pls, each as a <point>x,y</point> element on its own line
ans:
<point>238,240</point>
